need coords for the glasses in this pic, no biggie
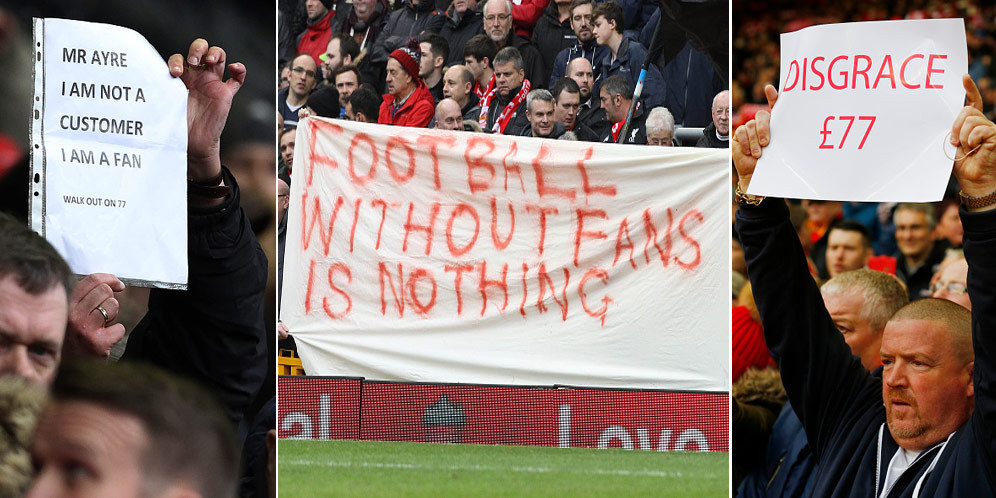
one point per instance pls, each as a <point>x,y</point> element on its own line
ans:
<point>579,18</point>
<point>300,70</point>
<point>952,287</point>
<point>499,17</point>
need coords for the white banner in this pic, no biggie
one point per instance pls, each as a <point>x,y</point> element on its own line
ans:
<point>864,111</point>
<point>109,153</point>
<point>422,255</point>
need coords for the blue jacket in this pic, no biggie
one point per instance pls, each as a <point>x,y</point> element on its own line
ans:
<point>629,63</point>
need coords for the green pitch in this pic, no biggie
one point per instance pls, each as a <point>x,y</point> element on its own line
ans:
<point>373,468</point>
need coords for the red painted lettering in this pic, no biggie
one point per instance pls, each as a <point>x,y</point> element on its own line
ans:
<point>412,227</point>
<point>817,73</point>
<point>457,211</point>
<point>624,230</point>
<point>396,142</point>
<point>842,73</point>
<point>651,232</point>
<point>433,142</point>
<point>545,281</point>
<point>511,167</point>
<point>457,279</point>
<point>349,302</point>
<point>371,159</point>
<point>383,215</point>
<point>477,162</point>
<point>501,244</point>
<point>542,187</point>
<point>398,294</point>
<point>502,284</point>
<point>543,211</point>
<point>307,227</point>
<point>600,312</point>
<point>581,232</point>
<point>413,280</point>
<point>589,190</point>
<point>314,158</point>
<point>692,242</point>
<point>787,86</point>
<point>356,218</point>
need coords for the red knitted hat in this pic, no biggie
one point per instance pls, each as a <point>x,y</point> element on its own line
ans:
<point>409,57</point>
<point>749,349</point>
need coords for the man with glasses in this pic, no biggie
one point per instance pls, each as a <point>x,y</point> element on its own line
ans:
<point>585,47</point>
<point>951,283</point>
<point>304,72</point>
<point>498,27</point>
<point>717,134</point>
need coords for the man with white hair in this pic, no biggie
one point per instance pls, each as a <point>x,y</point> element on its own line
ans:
<point>498,27</point>
<point>660,127</point>
<point>717,134</point>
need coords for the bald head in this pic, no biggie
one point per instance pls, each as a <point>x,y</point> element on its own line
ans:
<point>580,71</point>
<point>448,116</point>
<point>458,82</point>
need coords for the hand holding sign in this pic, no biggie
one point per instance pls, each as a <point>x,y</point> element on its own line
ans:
<point>975,169</point>
<point>208,103</point>
<point>750,138</point>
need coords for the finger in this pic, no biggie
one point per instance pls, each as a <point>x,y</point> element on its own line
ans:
<point>175,64</point>
<point>195,54</point>
<point>959,122</point>
<point>755,147</point>
<point>972,122</point>
<point>112,281</point>
<point>763,128</point>
<point>112,307</point>
<point>90,282</point>
<point>742,139</point>
<point>771,94</point>
<point>238,71</point>
<point>95,297</point>
<point>972,96</point>
<point>215,55</point>
<point>981,134</point>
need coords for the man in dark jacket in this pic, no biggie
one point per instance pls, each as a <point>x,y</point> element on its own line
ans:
<point>590,113</point>
<point>462,21</point>
<point>498,27</point>
<point>539,112</point>
<point>585,45</point>
<point>919,254</point>
<point>566,103</point>
<point>717,134</point>
<point>552,34</point>
<point>626,56</point>
<point>504,110</point>
<point>616,97</point>
<point>413,18</point>
<point>913,432</point>
<point>364,20</point>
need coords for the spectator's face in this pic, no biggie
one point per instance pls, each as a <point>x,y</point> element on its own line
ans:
<point>346,83</point>
<point>507,78</point>
<point>613,105</point>
<point>845,252</point>
<point>287,147</point>
<point>349,112</point>
<point>926,385</point>
<point>316,10</point>
<point>333,59</point>
<point>661,138</point>
<point>566,110</point>
<point>721,113</point>
<point>448,116</point>
<point>949,226</point>
<point>283,199</point>
<point>475,66</point>
<point>454,87</point>
<point>952,284</point>
<point>285,74</point>
<point>364,8</point>
<point>580,71</point>
<point>540,116</point>
<point>846,311</point>
<point>399,82</point>
<point>462,6</point>
<point>913,233</point>
<point>426,64</point>
<point>303,75</point>
<point>31,331</point>
<point>83,450</point>
<point>497,21</point>
<point>603,30</point>
<point>581,22</point>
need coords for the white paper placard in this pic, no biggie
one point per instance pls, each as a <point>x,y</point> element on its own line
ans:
<point>109,153</point>
<point>864,110</point>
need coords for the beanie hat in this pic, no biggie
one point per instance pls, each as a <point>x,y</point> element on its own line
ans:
<point>325,102</point>
<point>749,349</point>
<point>409,57</point>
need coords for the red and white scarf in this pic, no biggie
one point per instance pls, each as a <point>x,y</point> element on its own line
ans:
<point>506,114</point>
<point>617,127</point>
<point>483,91</point>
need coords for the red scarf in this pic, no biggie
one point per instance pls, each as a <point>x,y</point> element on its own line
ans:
<point>617,127</point>
<point>482,92</point>
<point>506,114</point>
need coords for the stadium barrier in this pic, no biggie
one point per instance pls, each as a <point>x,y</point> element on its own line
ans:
<point>326,408</point>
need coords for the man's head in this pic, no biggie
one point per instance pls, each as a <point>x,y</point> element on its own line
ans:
<point>660,127</point>
<point>458,82</point>
<point>435,50</point>
<point>607,22</point>
<point>567,101</point>
<point>347,80</point>
<point>365,9</point>
<point>581,72</point>
<point>324,102</point>
<point>508,70</point>
<point>498,20</point>
<point>287,137</point>
<point>539,112</point>
<point>402,71</point>
<point>615,95</point>
<point>448,115</point>
<point>304,73</point>
<point>35,284</point>
<point>285,74</point>
<point>721,113</point>
<point>581,19</point>
<point>914,225</point>
<point>952,283</point>
<point>479,56</point>
<point>283,199</point>
<point>927,384</point>
<point>949,222</point>
<point>315,9</point>
<point>342,50</point>
<point>462,6</point>
<point>363,106</point>
<point>129,430</point>
<point>848,247</point>
<point>860,303</point>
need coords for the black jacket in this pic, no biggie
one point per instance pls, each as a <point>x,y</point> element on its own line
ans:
<point>837,400</point>
<point>473,108</point>
<point>709,138</point>
<point>592,51</point>
<point>918,281</point>
<point>408,21</point>
<point>593,116</point>
<point>637,133</point>
<point>213,332</point>
<point>555,133</point>
<point>458,30</point>
<point>551,36</point>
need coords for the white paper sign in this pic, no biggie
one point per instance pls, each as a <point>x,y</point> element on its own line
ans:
<point>422,255</point>
<point>864,110</point>
<point>109,144</point>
